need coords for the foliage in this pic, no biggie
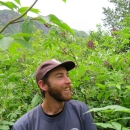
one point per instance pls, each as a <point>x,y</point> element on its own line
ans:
<point>101,78</point>
<point>27,25</point>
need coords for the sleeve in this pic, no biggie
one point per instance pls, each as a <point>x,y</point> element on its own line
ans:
<point>19,125</point>
<point>87,119</point>
<point>18,128</point>
<point>13,128</point>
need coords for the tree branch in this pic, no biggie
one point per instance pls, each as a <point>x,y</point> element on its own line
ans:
<point>10,22</point>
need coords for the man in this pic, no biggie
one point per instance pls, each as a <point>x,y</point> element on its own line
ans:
<point>57,111</point>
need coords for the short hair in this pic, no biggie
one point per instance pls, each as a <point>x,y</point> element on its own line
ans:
<point>45,80</point>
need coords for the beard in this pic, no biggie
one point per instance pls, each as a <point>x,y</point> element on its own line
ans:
<point>58,94</point>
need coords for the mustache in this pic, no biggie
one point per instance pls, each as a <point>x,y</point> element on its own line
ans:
<point>68,86</point>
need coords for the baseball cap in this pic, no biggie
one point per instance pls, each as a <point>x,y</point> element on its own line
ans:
<point>48,65</point>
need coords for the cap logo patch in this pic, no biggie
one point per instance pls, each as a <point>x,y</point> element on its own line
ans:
<point>56,61</point>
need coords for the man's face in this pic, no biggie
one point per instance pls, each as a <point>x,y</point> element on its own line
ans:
<point>59,84</point>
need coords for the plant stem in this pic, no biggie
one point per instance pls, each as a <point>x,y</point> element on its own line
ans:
<point>13,20</point>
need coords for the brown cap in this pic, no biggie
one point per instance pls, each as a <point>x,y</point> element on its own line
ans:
<point>51,64</point>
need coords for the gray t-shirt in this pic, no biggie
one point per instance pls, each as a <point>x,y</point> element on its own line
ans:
<point>72,117</point>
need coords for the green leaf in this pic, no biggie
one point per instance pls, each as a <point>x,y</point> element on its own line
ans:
<point>81,70</point>
<point>9,4</point>
<point>64,1</point>
<point>118,86</point>
<point>128,87</point>
<point>27,27</point>
<point>52,18</point>
<point>5,42</point>
<point>35,100</point>
<point>107,95</point>
<point>101,86</point>
<point>116,125</point>
<point>60,23</point>
<point>100,95</point>
<point>1,36</point>
<point>6,122</point>
<point>105,125</point>
<point>124,128</point>
<point>4,127</point>
<point>111,107</point>
<point>23,9</point>
<point>17,1</point>
<point>25,44</point>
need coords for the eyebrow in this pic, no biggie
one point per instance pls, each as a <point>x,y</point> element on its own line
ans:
<point>60,73</point>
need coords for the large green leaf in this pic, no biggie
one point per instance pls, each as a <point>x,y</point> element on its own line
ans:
<point>60,23</point>
<point>105,125</point>
<point>27,27</point>
<point>23,9</point>
<point>5,42</point>
<point>25,44</point>
<point>116,125</point>
<point>53,19</point>
<point>9,4</point>
<point>113,125</point>
<point>111,107</point>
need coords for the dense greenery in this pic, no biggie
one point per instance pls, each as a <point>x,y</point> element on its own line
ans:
<point>101,78</point>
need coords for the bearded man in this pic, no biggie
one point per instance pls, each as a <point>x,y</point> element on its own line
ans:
<point>57,111</point>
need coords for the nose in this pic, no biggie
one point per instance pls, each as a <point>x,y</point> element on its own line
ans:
<point>67,80</point>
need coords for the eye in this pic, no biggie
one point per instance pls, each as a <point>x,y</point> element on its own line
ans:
<point>60,76</point>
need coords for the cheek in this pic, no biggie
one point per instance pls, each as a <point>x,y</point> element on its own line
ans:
<point>59,82</point>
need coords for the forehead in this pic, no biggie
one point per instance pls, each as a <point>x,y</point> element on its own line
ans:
<point>57,70</point>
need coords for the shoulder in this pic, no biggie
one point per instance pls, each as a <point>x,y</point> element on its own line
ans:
<point>25,119</point>
<point>78,105</point>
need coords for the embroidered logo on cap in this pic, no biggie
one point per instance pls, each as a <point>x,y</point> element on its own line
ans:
<point>56,61</point>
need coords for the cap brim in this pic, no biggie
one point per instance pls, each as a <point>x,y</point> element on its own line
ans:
<point>69,65</point>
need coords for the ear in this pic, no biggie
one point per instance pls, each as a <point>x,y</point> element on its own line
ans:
<point>42,85</point>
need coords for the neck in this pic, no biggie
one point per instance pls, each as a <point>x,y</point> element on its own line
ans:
<point>52,107</point>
